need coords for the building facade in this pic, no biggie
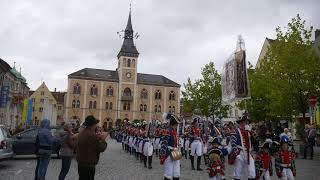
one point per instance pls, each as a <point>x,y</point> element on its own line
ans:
<point>13,90</point>
<point>44,105</point>
<point>123,94</point>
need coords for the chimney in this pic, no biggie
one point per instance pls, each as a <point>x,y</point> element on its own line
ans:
<point>316,33</point>
<point>55,89</point>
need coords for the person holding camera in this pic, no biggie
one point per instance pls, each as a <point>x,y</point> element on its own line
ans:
<point>89,146</point>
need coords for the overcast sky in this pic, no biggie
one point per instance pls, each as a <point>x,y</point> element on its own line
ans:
<point>51,39</point>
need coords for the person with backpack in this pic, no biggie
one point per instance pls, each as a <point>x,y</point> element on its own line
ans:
<point>67,140</point>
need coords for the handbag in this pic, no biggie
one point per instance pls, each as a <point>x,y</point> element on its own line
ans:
<point>175,154</point>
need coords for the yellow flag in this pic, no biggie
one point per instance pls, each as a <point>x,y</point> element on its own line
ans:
<point>25,110</point>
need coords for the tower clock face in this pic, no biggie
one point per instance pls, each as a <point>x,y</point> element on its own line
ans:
<point>128,75</point>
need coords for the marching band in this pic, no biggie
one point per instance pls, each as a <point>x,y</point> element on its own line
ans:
<point>206,139</point>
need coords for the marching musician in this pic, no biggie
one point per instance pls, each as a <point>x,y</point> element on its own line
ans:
<point>196,144</point>
<point>241,150</point>
<point>263,161</point>
<point>169,152</point>
<point>147,147</point>
<point>285,160</point>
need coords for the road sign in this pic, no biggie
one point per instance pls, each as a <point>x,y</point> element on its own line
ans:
<point>313,100</point>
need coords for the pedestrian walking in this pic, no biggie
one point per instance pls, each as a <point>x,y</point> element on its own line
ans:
<point>89,146</point>
<point>44,144</point>
<point>67,140</point>
<point>310,141</point>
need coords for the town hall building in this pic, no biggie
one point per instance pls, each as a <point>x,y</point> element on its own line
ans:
<point>123,93</point>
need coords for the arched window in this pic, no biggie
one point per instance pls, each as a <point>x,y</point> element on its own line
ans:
<point>94,104</point>
<point>173,109</point>
<point>93,90</point>
<point>144,94</point>
<point>126,106</point>
<point>141,107</point>
<point>133,62</point>
<point>78,104</point>
<point>110,105</point>
<point>157,95</point>
<point>107,105</point>
<point>157,108</point>
<point>145,108</point>
<point>169,109</point>
<point>74,104</point>
<point>90,104</point>
<point>127,92</point>
<point>110,91</point>
<point>172,96</point>
<point>129,63</point>
<point>77,89</point>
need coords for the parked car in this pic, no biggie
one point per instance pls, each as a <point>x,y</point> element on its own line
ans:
<point>24,143</point>
<point>6,151</point>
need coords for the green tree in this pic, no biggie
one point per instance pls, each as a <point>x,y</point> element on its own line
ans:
<point>203,96</point>
<point>288,76</point>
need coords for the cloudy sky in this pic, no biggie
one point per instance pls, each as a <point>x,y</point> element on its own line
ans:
<point>51,39</point>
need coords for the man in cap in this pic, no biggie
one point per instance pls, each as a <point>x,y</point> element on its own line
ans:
<point>241,150</point>
<point>169,149</point>
<point>89,146</point>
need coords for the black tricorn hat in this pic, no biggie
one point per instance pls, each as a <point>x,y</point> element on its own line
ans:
<point>243,118</point>
<point>90,120</point>
<point>172,119</point>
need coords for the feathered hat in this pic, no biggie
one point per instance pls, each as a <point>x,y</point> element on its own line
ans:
<point>170,118</point>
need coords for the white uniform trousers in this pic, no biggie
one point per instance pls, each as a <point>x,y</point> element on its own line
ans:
<point>157,143</point>
<point>287,174</point>
<point>217,177</point>
<point>241,163</point>
<point>148,148</point>
<point>265,175</point>
<point>171,168</point>
<point>196,148</point>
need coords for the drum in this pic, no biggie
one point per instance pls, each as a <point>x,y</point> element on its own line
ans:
<point>175,154</point>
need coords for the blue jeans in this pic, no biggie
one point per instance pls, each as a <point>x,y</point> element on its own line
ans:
<point>66,163</point>
<point>43,166</point>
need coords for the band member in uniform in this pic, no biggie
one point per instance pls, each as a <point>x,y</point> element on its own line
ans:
<point>186,142</point>
<point>263,162</point>
<point>285,161</point>
<point>147,148</point>
<point>169,152</point>
<point>241,150</point>
<point>158,135</point>
<point>196,144</point>
<point>216,159</point>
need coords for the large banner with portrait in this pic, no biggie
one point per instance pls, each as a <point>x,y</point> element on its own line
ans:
<point>235,83</point>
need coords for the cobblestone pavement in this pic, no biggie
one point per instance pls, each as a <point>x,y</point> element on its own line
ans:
<point>114,164</point>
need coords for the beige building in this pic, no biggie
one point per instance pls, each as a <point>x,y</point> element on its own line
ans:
<point>44,105</point>
<point>123,93</point>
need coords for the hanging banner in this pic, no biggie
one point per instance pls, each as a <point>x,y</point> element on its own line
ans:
<point>25,110</point>
<point>29,113</point>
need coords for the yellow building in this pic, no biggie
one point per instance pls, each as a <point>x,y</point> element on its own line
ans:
<point>122,93</point>
<point>44,105</point>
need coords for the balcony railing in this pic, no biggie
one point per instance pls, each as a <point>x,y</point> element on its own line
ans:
<point>126,98</point>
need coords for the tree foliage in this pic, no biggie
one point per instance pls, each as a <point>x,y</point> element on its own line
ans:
<point>288,76</point>
<point>203,96</point>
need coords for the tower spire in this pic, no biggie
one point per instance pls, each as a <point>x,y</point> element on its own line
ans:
<point>128,48</point>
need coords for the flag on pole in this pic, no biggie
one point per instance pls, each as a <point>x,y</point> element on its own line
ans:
<point>29,113</point>
<point>25,110</point>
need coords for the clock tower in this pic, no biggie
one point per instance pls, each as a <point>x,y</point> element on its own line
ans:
<point>127,73</point>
